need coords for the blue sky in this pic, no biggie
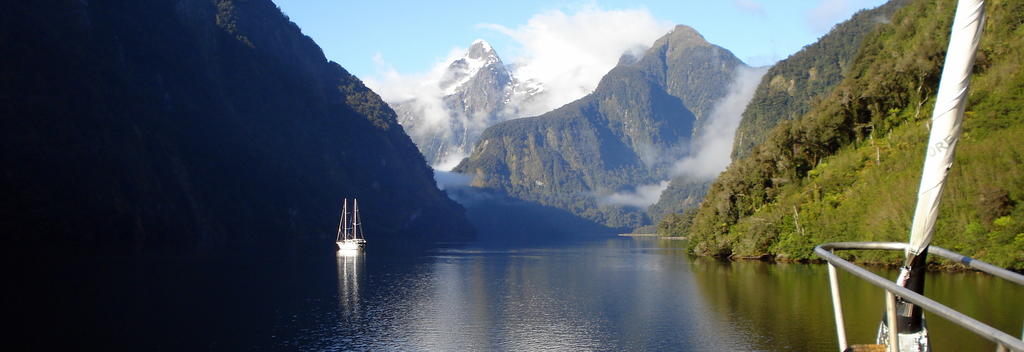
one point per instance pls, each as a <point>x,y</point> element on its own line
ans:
<point>371,37</point>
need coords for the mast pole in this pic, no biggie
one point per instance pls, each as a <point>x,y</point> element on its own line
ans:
<point>341,223</point>
<point>348,222</point>
<point>946,126</point>
<point>355,219</point>
<point>947,120</point>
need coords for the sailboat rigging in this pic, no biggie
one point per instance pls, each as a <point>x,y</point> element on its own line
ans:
<point>350,229</point>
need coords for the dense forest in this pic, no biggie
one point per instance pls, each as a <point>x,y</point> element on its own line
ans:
<point>793,85</point>
<point>185,124</point>
<point>849,168</point>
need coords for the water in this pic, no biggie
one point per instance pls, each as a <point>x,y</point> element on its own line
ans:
<point>604,294</point>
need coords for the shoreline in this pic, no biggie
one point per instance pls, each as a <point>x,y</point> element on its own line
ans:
<point>650,235</point>
<point>932,266</point>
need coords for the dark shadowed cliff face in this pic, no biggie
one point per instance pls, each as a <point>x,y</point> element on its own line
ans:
<point>195,122</point>
<point>625,134</point>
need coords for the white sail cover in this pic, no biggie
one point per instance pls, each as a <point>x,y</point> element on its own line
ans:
<point>946,119</point>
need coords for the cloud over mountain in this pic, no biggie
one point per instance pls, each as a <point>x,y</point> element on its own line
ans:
<point>569,53</point>
<point>712,146</point>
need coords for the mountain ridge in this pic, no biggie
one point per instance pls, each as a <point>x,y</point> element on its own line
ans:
<point>625,133</point>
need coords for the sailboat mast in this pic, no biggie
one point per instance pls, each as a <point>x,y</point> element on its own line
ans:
<point>348,222</point>
<point>356,229</point>
<point>947,120</point>
<point>947,124</point>
<point>341,223</point>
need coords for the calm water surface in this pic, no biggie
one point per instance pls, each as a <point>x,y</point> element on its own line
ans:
<point>604,294</point>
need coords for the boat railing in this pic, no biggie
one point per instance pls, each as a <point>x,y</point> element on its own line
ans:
<point>1002,340</point>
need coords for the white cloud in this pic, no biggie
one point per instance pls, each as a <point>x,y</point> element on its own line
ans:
<point>751,6</point>
<point>450,161</point>
<point>569,53</point>
<point>710,151</point>
<point>395,86</point>
<point>423,88</point>
<point>422,94</point>
<point>642,197</point>
<point>448,179</point>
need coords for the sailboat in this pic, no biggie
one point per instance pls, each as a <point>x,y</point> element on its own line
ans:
<point>350,229</point>
<point>903,328</point>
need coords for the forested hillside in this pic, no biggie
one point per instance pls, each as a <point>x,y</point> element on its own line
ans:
<point>793,85</point>
<point>194,123</point>
<point>849,168</point>
<point>785,92</point>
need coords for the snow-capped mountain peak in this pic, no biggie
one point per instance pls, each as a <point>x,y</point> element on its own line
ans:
<point>477,91</point>
<point>482,50</point>
<point>479,55</point>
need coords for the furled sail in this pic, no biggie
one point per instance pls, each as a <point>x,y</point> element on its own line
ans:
<point>947,120</point>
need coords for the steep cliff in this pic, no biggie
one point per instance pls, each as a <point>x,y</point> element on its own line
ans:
<point>195,123</point>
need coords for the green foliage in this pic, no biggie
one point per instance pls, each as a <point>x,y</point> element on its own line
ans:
<point>792,86</point>
<point>227,18</point>
<point>677,224</point>
<point>367,103</point>
<point>683,193</point>
<point>849,168</point>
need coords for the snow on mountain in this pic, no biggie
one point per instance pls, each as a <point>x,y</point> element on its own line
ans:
<point>477,91</point>
<point>479,56</point>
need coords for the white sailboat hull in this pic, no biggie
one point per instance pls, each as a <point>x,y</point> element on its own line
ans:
<point>351,244</point>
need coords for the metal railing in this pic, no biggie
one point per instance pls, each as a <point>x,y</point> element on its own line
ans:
<point>1003,340</point>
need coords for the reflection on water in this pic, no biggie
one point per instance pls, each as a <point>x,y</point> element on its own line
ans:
<point>348,280</point>
<point>619,294</point>
<point>788,306</point>
<point>607,294</point>
<point>613,295</point>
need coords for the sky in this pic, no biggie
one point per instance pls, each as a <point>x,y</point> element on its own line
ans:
<point>372,39</point>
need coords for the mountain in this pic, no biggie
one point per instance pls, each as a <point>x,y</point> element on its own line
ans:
<point>477,91</point>
<point>786,91</point>
<point>195,124</point>
<point>848,170</point>
<point>625,134</point>
<point>682,193</point>
<point>793,85</point>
